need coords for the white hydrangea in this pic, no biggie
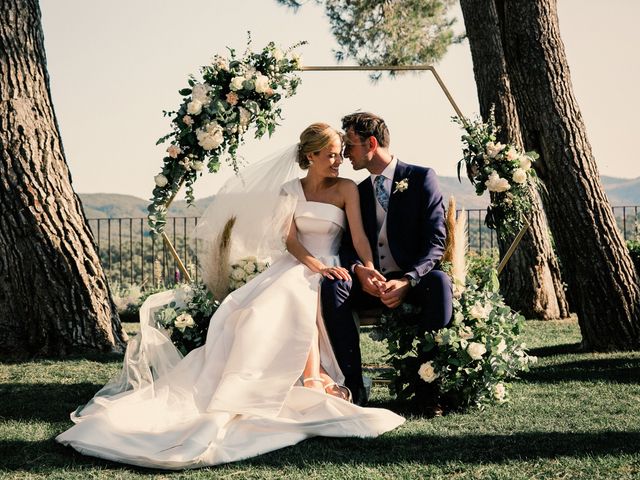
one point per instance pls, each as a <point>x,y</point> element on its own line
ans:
<point>238,274</point>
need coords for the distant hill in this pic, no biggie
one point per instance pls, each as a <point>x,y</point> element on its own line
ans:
<point>621,191</point>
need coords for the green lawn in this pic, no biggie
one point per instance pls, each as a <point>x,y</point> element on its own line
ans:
<point>575,415</point>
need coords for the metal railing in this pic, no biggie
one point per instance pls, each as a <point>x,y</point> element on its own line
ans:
<point>131,255</point>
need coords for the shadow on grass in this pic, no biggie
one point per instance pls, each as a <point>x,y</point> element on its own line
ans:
<point>88,356</point>
<point>386,450</point>
<point>618,370</point>
<point>553,350</point>
<point>43,401</point>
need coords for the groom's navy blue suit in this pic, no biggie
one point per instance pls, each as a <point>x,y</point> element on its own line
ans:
<point>416,237</point>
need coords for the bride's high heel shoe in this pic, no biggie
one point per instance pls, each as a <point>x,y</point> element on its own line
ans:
<point>331,388</point>
<point>340,391</point>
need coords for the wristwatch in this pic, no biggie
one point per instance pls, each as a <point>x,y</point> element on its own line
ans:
<point>412,281</point>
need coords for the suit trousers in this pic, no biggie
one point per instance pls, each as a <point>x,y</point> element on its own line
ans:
<point>339,298</point>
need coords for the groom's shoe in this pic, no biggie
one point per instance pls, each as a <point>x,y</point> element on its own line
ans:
<point>360,396</point>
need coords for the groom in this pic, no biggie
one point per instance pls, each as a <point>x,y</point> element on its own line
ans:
<point>403,217</point>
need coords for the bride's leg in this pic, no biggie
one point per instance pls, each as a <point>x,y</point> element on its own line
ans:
<point>311,373</point>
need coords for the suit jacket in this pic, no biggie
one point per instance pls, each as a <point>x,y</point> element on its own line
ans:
<point>415,221</point>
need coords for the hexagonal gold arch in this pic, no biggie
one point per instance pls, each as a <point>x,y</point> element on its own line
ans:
<point>356,68</point>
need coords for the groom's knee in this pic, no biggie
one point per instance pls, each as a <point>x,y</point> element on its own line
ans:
<point>439,299</point>
<point>335,290</point>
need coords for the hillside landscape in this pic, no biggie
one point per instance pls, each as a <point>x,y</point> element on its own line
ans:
<point>621,191</point>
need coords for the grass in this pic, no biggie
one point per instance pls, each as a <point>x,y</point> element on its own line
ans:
<point>574,416</point>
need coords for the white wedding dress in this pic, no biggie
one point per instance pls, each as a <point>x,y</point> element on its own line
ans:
<point>239,395</point>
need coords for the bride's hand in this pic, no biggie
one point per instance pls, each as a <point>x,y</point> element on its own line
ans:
<point>335,272</point>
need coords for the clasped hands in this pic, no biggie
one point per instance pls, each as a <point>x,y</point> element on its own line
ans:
<point>391,292</point>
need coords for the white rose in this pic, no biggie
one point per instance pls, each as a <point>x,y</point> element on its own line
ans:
<point>183,321</point>
<point>519,175</point>
<point>245,116</point>
<point>427,372</point>
<point>262,84</point>
<point>160,180</point>
<point>497,184</point>
<point>194,107</point>
<point>525,162</point>
<point>238,274</point>
<point>493,149</point>
<point>499,391</point>
<point>502,346</point>
<point>479,312</point>
<point>250,267</point>
<point>512,154</point>
<point>476,350</point>
<point>210,136</point>
<point>261,266</point>
<point>278,54</point>
<point>237,83</point>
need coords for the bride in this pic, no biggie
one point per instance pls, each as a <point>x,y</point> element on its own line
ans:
<point>267,376</point>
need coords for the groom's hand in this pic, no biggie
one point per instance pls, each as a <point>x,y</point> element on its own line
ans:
<point>395,292</point>
<point>371,280</point>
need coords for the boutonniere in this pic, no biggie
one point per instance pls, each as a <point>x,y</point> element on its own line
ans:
<point>401,185</point>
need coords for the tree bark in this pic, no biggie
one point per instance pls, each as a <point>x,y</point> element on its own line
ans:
<point>54,296</point>
<point>603,284</point>
<point>530,282</point>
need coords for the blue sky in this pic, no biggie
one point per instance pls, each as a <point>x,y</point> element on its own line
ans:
<point>116,65</point>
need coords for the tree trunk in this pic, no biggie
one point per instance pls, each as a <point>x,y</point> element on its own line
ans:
<point>531,281</point>
<point>54,296</point>
<point>603,284</point>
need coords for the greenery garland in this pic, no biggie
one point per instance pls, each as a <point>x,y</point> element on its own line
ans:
<point>504,170</point>
<point>233,94</point>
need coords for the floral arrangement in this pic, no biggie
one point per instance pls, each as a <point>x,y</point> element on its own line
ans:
<point>504,170</point>
<point>216,111</point>
<point>245,270</point>
<point>186,320</point>
<point>471,359</point>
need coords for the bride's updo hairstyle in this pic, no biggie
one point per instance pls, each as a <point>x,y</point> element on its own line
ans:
<point>313,139</point>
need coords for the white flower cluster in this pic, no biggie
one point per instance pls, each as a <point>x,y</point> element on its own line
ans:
<point>503,170</point>
<point>482,342</point>
<point>245,270</point>
<point>496,152</point>
<point>216,112</point>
